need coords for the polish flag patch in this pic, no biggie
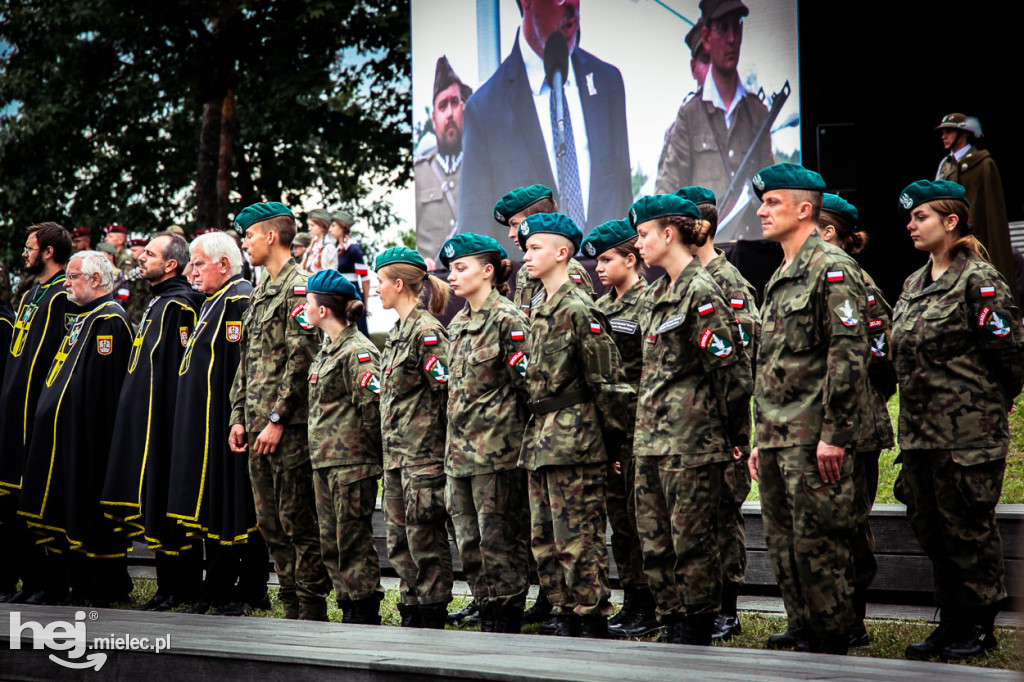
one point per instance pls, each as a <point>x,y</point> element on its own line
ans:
<point>835,275</point>
<point>595,327</point>
<point>986,292</point>
<point>706,309</point>
<point>517,334</point>
<point>577,279</point>
<point>736,302</point>
<point>363,357</point>
<point>430,340</point>
<point>871,299</point>
<point>299,291</point>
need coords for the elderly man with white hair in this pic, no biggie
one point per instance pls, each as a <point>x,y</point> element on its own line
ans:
<point>67,458</point>
<point>209,489</point>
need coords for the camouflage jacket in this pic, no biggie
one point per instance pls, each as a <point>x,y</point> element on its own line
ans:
<point>624,323</point>
<point>876,428</point>
<point>530,292</point>
<point>573,360</point>
<point>811,378</point>
<point>695,390</point>
<point>958,347</point>
<point>124,262</point>
<point>344,406</point>
<point>487,398</point>
<point>277,346</point>
<point>414,391</point>
<point>742,298</point>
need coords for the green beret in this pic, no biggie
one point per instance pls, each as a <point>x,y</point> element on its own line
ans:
<point>107,247</point>
<point>257,213</point>
<point>321,214</point>
<point>786,176</point>
<point>518,200</point>
<point>698,195</point>
<point>302,239</point>
<point>833,203</point>
<point>607,236</point>
<point>400,254</point>
<point>661,206</point>
<point>343,216</point>
<point>332,282</point>
<point>550,223</point>
<point>923,191</point>
<point>468,244</point>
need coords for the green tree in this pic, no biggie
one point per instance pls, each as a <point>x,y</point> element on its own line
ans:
<point>183,111</point>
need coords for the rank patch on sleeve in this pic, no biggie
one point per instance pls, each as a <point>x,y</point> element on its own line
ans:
<point>298,314</point>
<point>519,362</point>
<point>835,275</point>
<point>430,340</point>
<point>986,292</point>
<point>104,345</point>
<point>364,357</point>
<point>299,291</point>
<point>183,335</point>
<point>370,382</point>
<point>737,303</point>
<point>595,327</point>
<point>994,322</point>
<point>846,313</point>
<point>436,369</point>
<point>715,344</point>
<point>706,309</point>
<point>879,345</point>
<point>517,334</point>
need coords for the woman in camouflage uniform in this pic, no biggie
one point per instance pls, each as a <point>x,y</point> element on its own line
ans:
<point>413,404</point>
<point>344,445</point>
<point>613,244</point>
<point>837,225</point>
<point>692,418</point>
<point>487,410</point>
<point>957,340</point>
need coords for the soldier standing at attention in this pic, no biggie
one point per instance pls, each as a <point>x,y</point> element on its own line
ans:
<point>958,344</point>
<point>511,210</point>
<point>619,266</point>
<point>345,445</point>
<point>487,411</point>
<point>809,396</point>
<point>413,404</point>
<point>270,407</point>
<point>117,236</point>
<point>580,414</point>
<point>732,542</point>
<point>837,226</point>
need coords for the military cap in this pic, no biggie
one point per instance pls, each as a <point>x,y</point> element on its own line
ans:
<point>114,227</point>
<point>207,230</point>
<point>786,176</point>
<point>657,206</point>
<point>953,121</point>
<point>257,213</point>
<point>107,247</point>
<point>178,230</point>
<point>833,203</point>
<point>607,236</point>
<point>693,39</point>
<point>550,223</point>
<point>321,214</point>
<point>344,217</point>
<point>923,191</point>
<point>302,239</point>
<point>400,254</point>
<point>698,195</point>
<point>444,76</point>
<point>469,244</point>
<point>331,281</point>
<point>712,9</point>
<point>138,241</point>
<point>80,232</point>
<point>518,200</point>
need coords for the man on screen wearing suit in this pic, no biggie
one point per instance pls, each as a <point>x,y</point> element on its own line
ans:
<point>509,138</point>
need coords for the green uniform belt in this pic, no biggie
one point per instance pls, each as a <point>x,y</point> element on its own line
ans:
<point>557,402</point>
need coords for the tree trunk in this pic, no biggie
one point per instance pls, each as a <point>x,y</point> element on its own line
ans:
<point>227,139</point>
<point>208,165</point>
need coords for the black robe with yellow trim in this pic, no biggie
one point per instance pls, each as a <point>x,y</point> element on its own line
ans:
<point>67,458</point>
<point>209,491</point>
<point>135,490</point>
<point>39,328</point>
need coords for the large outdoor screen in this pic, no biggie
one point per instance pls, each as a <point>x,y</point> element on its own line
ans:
<point>633,118</point>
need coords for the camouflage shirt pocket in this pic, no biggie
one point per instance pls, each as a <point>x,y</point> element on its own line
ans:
<point>798,323</point>
<point>943,332</point>
<point>482,367</point>
<point>403,375</point>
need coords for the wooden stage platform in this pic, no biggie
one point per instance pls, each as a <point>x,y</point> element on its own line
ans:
<point>220,648</point>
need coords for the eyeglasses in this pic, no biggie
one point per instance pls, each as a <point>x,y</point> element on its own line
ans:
<point>28,249</point>
<point>72,276</point>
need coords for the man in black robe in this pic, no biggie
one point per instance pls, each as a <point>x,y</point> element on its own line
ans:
<point>67,457</point>
<point>209,491</point>
<point>136,485</point>
<point>38,331</point>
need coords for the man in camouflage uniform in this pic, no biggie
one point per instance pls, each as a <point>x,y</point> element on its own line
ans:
<point>117,236</point>
<point>270,406</point>
<point>580,401</point>
<point>810,394</point>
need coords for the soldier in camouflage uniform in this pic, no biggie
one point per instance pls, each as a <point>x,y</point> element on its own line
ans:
<point>958,344</point>
<point>487,401</point>
<point>613,244</point>
<point>810,394</point>
<point>117,236</point>
<point>413,403</point>
<point>742,299</point>
<point>837,227</point>
<point>580,413</point>
<point>692,418</point>
<point>345,445</point>
<point>269,408</point>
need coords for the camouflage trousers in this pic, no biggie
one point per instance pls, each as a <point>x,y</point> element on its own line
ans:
<point>807,525</point>
<point>567,537</point>
<point>486,512</point>
<point>286,514</point>
<point>677,520</point>
<point>862,542</point>
<point>952,510</point>
<point>345,510</point>
<point>416,522</point>
<point>629,560</point>
<point>732,536</point>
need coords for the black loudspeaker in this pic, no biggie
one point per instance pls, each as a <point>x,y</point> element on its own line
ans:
<point>837,156</point>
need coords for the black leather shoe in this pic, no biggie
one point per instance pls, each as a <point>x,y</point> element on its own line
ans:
<point>168,604</point>
<point>726,627</point>
<point>567,625</point>
<point>199,607</point>
<point>153,603</point>
<point>540,612</point>
<point>783,640</point>
<point>472,609</point>
<point>548,627</point>
<point>697,629</point>
<point>933,645</point>
<point>410,615</point>
<point>859,636</point>
<point>641,620</point>
<point>594,627</point>
<point>976,641</point>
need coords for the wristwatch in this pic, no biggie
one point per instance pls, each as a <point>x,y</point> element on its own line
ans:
<point>275,418</point>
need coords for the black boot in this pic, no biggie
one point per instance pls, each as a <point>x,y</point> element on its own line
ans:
<point>644,618</point>
<point>727,622</point>
<point>567,625</point>
<point>835,644</point>
<point>508,619</point>
<point>410,615</point>
<point>629,596</point>
<point>858,633</point>
<point>487,617</point>
<point>673,624</point>
<point>540,612</point>
<point>433,617</point>
<point>939,639</point>
<point>472,609</point>
<point>977,638</point>
<point>364,611</point>
<point>697,629</point>
<point>594,627</point>
<point>346,610</point>
<point>797,641</point>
